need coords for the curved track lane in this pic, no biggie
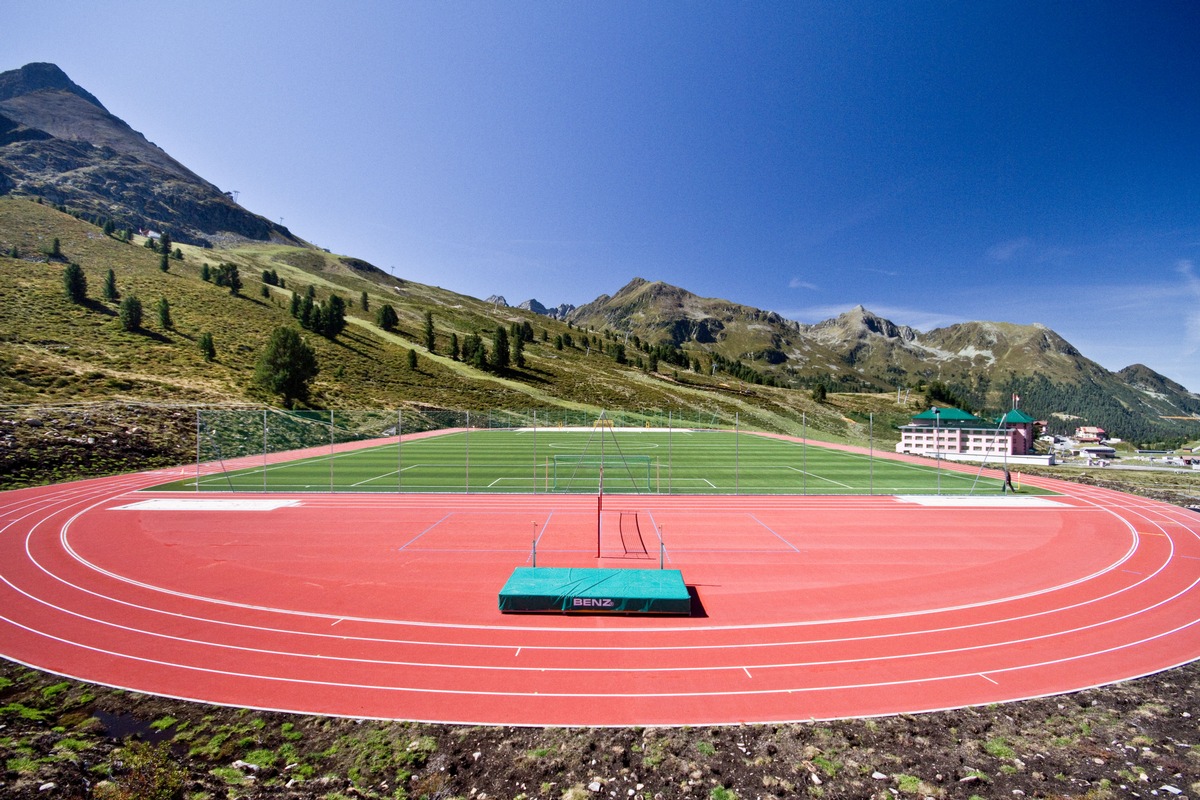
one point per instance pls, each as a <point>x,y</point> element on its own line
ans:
<point>385,606</point>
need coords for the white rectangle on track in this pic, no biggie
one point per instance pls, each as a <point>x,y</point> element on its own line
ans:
<point>206,504</point>
<point>969,501</point>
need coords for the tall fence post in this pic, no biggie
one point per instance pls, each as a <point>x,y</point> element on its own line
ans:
<point>871,452</point>
<point>670,455</point>
<point>198,434</point>
<point>804,452</point>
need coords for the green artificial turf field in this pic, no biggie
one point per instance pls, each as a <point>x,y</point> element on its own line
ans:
<point>547,460</point>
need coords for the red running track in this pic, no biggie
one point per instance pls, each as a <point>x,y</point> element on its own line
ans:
<point>386,605</point>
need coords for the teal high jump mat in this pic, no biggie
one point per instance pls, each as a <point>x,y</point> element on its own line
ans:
<point>560,590</point>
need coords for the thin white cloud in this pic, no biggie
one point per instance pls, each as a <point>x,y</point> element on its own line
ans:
<point>1005,251</point>
<point>889,273</point>
<point>796,283</point>
<point>1191,322</point>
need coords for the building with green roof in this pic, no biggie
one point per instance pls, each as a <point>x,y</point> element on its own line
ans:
<point>954,433</point>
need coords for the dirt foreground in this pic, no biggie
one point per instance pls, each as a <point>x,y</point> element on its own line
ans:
<point>62,739</point>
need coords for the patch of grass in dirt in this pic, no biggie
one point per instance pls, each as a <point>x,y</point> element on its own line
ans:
<point>998,748</point>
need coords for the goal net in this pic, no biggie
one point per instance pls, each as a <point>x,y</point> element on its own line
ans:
<point>583,473</point>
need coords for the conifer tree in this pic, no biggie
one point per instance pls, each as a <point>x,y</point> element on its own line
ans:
<point>287,366</point>
<point>164,314</point>
<point>386,318</point>
<point>110,287</point>
<point>75,283</point>
<point>334,318</point>
<point>429,340</point>
<point>130,313</point>
<point>501,355</point>
<point>207,348</point>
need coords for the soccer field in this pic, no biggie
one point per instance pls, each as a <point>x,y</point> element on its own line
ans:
<point>621,460</point>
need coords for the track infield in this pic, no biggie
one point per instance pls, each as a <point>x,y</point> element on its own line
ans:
<point>385,605</point>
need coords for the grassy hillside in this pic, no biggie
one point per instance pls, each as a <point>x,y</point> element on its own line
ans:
<point>55,352</point>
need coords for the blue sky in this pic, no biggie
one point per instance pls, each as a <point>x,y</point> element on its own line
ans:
<point>934,161</point>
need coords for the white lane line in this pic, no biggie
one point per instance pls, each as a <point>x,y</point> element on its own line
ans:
<point>886,657</point>
<point>603,695</point>
<point>64,532</point>
<point>765,643</point>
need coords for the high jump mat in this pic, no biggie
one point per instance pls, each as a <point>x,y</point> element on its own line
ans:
<point>566,590</point>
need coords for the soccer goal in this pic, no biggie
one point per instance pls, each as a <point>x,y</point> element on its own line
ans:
<point>588,473</point>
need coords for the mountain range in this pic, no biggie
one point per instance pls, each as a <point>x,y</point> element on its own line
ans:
<point>59,145</point>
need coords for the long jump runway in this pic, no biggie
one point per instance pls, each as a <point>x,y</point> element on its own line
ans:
<point>385,606</point>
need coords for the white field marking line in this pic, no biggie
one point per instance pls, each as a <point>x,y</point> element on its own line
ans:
<point>151,633</point>
<point>643,695</point>
<point>513,479</point>
<point>422,533</point>
<point>545,525</point>
<point>819,477</point>
<point>386,475</point>
<point>581,447</point>
<point>986,678</point>
<point>63,536</point>
<point>775,533</point>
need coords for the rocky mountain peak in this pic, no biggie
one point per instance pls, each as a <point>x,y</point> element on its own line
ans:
<point>859,322</point>
<point>40,77</point>
<point>558,312</point>
<point>59,143</point>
